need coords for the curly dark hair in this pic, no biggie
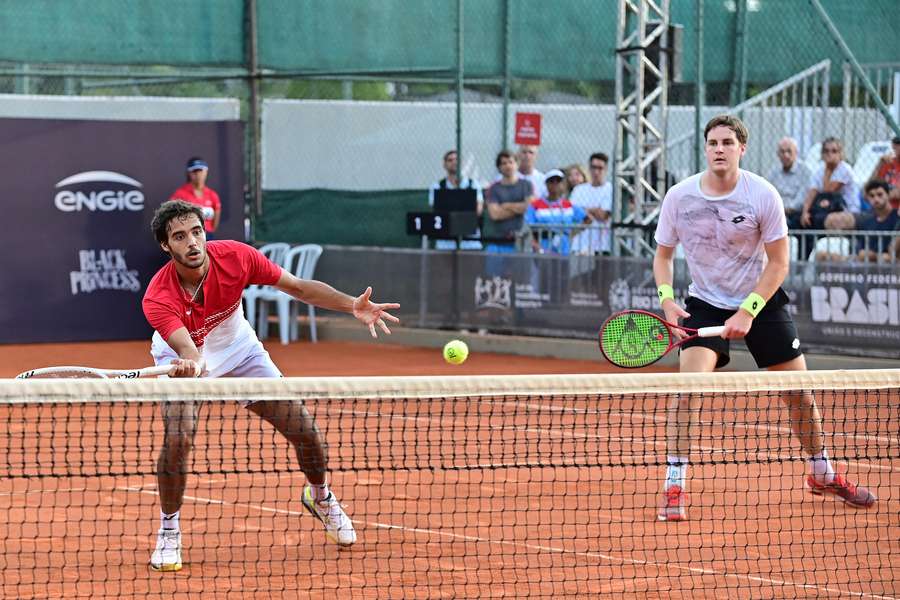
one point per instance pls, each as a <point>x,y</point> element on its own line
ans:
<point>171,209</point>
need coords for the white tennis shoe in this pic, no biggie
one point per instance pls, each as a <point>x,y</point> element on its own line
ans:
<point>167,556</point>
<point>337,524</point>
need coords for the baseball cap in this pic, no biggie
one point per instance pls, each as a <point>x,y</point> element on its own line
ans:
<point>553,173</point>
<point>196,163</point>
<point>896,139</point>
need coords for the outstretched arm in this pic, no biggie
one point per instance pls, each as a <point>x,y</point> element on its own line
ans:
<point>323,295</point>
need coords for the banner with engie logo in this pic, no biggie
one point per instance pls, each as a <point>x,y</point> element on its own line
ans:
<point>79,196</point>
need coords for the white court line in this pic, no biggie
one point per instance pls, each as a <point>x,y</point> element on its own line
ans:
<point>540,547</point>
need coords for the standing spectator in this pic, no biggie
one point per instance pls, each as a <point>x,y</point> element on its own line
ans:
<point>507,201</point>
<point>791,179</point>
<point>527,159</point>
<point>882,218</point>
<point>195,191</point>
<point>595,198</point>
<point>453,182</point>
<point>576,174</point>
<point>832,200</point>
<point>888,170</point>
<point>555,209</point>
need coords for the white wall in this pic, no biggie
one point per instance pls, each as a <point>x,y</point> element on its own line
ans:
<point>398,145</point>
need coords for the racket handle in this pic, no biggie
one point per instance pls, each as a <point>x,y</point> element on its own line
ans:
<point>711,331</point>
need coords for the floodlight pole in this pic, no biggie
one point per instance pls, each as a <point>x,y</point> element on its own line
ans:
<point>642,81</point>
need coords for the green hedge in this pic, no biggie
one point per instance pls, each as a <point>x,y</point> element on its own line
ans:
<point>339,217</point>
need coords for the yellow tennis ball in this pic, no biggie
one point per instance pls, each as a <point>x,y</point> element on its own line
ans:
<point>456,352</point>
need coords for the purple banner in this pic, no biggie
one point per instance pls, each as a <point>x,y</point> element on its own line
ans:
<point>79,197</point>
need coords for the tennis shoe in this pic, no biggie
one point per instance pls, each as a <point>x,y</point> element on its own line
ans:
<point>167,556</point>
<point>672,506</point>
<point>337,524</point>
<point>854,495</point>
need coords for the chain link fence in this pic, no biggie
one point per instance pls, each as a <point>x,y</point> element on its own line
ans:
<point>358,104</point>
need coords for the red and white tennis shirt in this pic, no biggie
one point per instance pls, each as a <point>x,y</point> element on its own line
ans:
<point>217,327</point>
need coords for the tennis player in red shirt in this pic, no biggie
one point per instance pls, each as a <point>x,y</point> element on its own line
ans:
<point>194,305</point>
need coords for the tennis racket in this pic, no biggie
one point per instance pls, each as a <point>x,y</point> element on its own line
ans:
<point>637,338</point>
<point>91,373</point>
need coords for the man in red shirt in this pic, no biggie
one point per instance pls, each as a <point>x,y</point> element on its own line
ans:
<point>196,192</point>
<point>194,305</point>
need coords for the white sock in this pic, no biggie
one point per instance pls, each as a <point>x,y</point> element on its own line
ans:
<point>319,492</point>
<point>820,467</point>
<point>170,521</point>
<point>676,471</point>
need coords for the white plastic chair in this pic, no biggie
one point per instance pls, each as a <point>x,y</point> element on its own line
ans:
<point>301,261</point>
<point>275,252</point>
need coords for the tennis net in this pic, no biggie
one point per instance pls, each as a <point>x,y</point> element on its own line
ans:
<point>458,487</point>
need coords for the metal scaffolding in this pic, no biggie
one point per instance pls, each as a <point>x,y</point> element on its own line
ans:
<point>642,80</point>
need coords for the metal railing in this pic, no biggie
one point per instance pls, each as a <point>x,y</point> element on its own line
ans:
<point>806,245</point>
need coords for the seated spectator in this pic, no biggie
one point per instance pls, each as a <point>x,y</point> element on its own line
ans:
<point>507,200</point>
<point>832,200</point>
<point>453,182</point>
<point>888,170</point>
<point>576,174</point>
<point>596,198</point>
<point>883,217</point>
<point>791,179</point>
<point>555,209</point>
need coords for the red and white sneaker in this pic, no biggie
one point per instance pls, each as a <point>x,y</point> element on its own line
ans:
<point>852,494</point>
<point>672,506</point>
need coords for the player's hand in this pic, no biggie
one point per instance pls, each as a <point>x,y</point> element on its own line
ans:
<point>673,313</point>
<point>184,367</point>
<point>372,313</point>
<point>738,325</point>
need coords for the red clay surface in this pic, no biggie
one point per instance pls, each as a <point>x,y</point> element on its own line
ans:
<point>476,498</point>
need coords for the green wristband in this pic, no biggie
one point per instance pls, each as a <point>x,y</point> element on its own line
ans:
<point>753,304</point>
<point>665,291</point>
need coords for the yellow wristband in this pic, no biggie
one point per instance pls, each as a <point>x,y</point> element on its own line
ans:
<point>753,304</point>
<point>665,291</point>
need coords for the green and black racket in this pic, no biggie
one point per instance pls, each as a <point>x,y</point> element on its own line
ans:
<point>637,338</point>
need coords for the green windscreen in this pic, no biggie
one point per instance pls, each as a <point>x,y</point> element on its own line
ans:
<point>634,339</point>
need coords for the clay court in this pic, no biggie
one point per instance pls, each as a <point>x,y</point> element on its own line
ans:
<point>479,497</point>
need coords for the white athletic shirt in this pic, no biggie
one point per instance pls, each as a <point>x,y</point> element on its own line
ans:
<point>722,236</point>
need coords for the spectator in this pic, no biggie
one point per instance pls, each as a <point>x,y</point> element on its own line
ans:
<point>832,200</point>
<point>888,170</point>
<point>507,201</point>
<point>882,218</point>
<point>791,179</point>
<point>576,174</point>
<point>553,210</point>
<point>453,182</point>
<point>527,159</point>
<point>595,198</point>
<point>195,191</point>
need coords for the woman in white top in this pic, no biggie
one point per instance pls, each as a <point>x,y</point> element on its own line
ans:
<point>834,177</point>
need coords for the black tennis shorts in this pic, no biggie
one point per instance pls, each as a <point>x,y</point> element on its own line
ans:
<point>771,340</point>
